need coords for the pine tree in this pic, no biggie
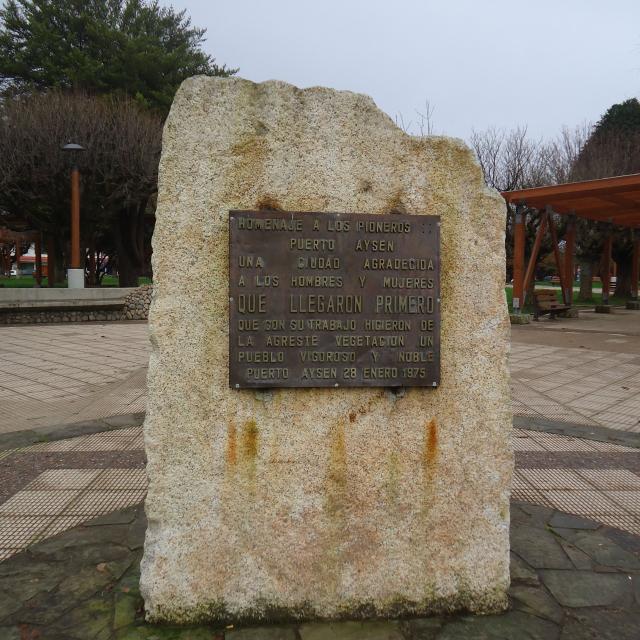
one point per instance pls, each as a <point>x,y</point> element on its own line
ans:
<point>613,149</point>
<point>119,47</point>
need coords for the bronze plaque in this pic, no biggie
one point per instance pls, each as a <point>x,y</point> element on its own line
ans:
<point>333,300</point>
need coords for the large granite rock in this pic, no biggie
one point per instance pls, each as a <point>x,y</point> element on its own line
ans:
<point>319,502</point>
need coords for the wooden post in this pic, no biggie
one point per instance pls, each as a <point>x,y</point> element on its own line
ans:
<point>75,218</point>
<point>556,253</point>
<point>635,264</point>
<point>531,267</point>
<point>38,248</point>
<point>569,250</point>
<point>18,249</point>
<point>518,258</point>
<point>93,279</point>
<point>51,261</point>
<point>605,277</point>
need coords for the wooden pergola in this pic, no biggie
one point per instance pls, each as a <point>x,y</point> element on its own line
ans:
<point>10,237</point>
<point>614,201</point>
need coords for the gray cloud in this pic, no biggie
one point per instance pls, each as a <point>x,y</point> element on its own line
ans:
<point>543,63</point>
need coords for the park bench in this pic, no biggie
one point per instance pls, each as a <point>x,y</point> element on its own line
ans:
<point>612,283</point>
<point>546,302</point>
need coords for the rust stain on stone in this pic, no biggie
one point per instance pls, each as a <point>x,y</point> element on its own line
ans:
<point>337,472</point>
<point>250,147</point>
<point>365,186</point>
<point>250,440</point>
<point>249,156</point>
<point>430,443</point>
<point>232,446</point>
<point>267,203</point>
<point>429,466</point>
<point>367,406</point>
<point>395,204</point>
<point>338,457</point>
<point>352,416</point>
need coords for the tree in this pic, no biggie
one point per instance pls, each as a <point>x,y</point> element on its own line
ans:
<point>612,149</point>
<point>562,153</point>
<point>131,47</point>
<point>116,49</point>
<point>510,160</point>
<point>118,171</point>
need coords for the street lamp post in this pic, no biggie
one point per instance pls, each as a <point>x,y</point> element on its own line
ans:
<point>75,273</point>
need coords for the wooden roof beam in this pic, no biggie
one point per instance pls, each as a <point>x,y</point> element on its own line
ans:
<point>600,211</point>
<point>588,188</point>
<point>623,201</point>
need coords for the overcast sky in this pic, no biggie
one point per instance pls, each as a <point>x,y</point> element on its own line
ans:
<point>543,63</point>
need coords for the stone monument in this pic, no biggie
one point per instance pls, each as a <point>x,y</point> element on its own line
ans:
<point>343,489</point>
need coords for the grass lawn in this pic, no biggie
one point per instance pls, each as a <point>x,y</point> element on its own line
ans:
<point>509,295</point>
<point>26,282</point>
<point>592,302</point>
<point>545,284</point>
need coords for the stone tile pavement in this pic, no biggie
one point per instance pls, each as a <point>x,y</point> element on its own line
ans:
<point>571,579</point>
<point>54,374</point>
<point>602,482</point>
<point>58,374</point>
<point>49,487</point>
<point>590,387</point>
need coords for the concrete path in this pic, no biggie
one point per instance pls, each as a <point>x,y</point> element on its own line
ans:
<point>571,579</point>
<point>52,486</point>
<point>57,374</point>
<point>71,555</point>
<point>584,371</point>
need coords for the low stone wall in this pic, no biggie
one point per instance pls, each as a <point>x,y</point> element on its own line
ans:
<point>135,307</point>
<point>136,304</point>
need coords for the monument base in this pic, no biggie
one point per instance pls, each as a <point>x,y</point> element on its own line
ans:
<point>604,308</point>
<point>75,278</point>
<point>633,305</point>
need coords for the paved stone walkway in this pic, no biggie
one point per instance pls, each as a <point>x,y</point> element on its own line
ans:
<point>580,386</point>
<point>571,579</point>
<point>52,486</point>
<point>59,374</point>
<point>585,379</point>
<point>581,476</point>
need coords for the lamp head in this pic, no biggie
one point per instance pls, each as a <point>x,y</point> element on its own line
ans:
<point>72,146</point>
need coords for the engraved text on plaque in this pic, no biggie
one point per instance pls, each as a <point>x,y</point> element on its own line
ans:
<point>333,300</point>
